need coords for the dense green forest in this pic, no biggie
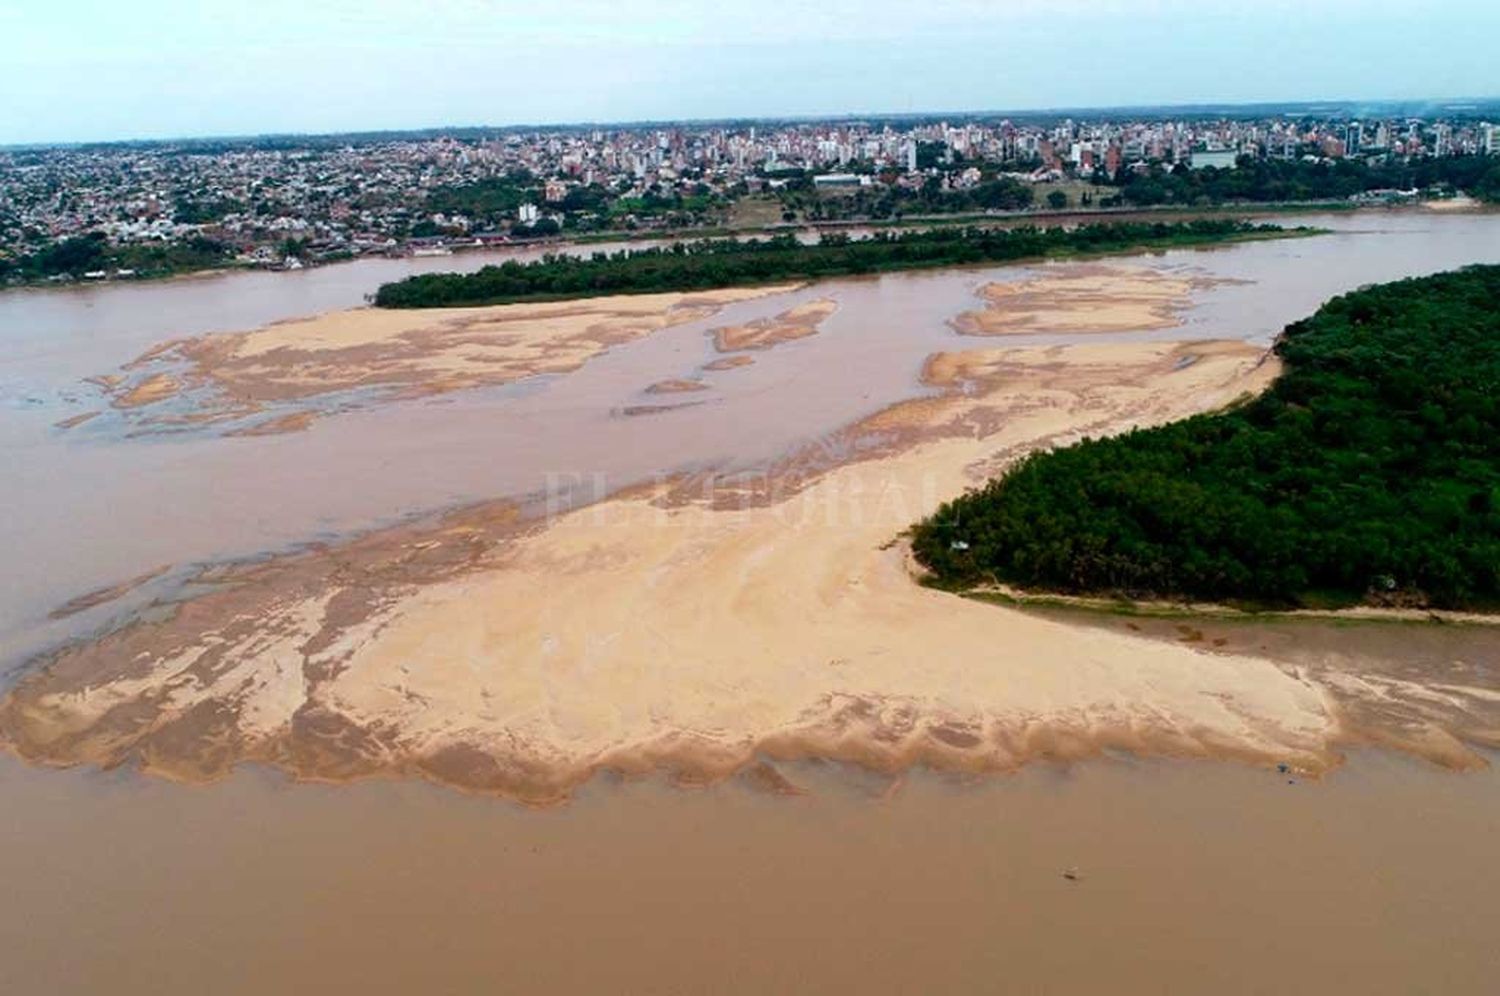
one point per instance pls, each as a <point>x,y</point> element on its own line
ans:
<point>1271,180</point>
<point>727,262</point>
<point>1370,471</point>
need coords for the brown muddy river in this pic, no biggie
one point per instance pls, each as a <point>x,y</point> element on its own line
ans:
<point>1190,876</point>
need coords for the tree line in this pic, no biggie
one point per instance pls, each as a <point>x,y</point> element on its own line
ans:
<point>80,254</point>
<point>707,264</point>
<point>1369,471</point>
<point>883,200</point>
<point>1287,180</point>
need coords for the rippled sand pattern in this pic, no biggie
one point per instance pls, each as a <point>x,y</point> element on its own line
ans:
<point>704,623</point>
<point>1095,298</point>
<point>684,627</point>
<point>764,333</point>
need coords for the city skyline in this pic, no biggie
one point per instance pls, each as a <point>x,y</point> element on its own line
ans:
<point>381,66</point>
<point>1477,108</point>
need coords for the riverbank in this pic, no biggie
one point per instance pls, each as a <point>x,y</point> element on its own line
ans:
<point>1008,219</point>
<point>1009,595</point>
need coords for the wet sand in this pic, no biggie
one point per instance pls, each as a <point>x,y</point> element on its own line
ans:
<point>1094,298</point>
<point>729,362</point>
<point>1429,688</point>
<point>764,333</point>
<point>692,627</point>
<point>401,353</point>
<point>676,386</point>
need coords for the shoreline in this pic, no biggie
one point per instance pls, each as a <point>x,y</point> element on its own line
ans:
<point>727,666</point>
<point>1166,608</point>
<point>998,220</point>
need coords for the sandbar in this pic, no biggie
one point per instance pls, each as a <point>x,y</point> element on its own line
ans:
<point>156,387</point>
<point>676,386</point>
<point>75,420</point>
<point>1073,299</point>
<point>707,623</point>
<point>764,333</point>
<point>696,625</point>
<point>397,353</point>
<point>729,362</point>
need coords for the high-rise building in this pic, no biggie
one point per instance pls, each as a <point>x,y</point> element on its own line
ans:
<point>1442,140</point>
<point>1354,137</point>
<point>1490,135</point>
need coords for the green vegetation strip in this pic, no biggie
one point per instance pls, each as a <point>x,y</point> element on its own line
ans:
<point>1270,181</point>
<point>705,265</point>
<point>1369,472</point>
<point>92,252</point>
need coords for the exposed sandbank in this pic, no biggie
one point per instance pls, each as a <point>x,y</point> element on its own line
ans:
<point>707,622</point>
<point>156,387</point>
<point>75,420</point>
<point>230,376</point>
<point>676,386</point>
<point>89,600</point>
<point>764,333</point>
<point>729,362</point>
<point>1092,298</point>
<point>690,626</point>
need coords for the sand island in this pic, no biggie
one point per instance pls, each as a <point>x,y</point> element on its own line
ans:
<point>312,365</point>
<point>707,623</point>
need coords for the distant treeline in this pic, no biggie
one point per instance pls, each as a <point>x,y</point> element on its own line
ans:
<point>1272,180</point>
<point>727,263</point>
<point>881,201</point>
<point>73,257</point>
<point>1370,471</point>
<point>493,202</point>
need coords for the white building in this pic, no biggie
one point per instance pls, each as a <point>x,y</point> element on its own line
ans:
<point>1217,158</point>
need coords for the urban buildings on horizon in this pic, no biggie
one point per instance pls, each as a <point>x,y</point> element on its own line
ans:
<point>336,196</point>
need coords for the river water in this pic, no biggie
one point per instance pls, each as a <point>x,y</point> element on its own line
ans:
<point>1201,878</point>
<point>93,506</point>
<point>1190,878</point>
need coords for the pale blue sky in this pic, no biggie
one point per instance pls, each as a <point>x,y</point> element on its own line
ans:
<point>107,69</point>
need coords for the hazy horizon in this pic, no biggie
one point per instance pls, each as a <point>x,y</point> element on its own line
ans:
<point>1450,105</point>
<point>167,69</point>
